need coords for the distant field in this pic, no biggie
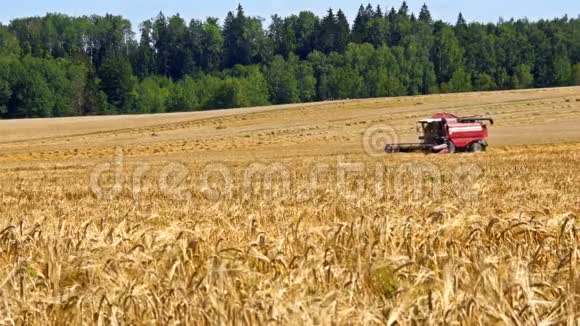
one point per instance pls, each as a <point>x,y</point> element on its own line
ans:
<point>279,215</point>
<point>523,117</point>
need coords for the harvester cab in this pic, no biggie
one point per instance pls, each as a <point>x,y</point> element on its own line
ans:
<point>447,133</point>
<point>431,131</point>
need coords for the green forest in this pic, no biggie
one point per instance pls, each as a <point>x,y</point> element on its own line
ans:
<point>58,65</point>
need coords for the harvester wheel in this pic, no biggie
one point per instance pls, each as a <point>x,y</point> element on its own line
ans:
<point>477,148</point>
<point>451,147</point>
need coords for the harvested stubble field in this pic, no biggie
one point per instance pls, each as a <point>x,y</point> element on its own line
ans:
<point>278,216</point>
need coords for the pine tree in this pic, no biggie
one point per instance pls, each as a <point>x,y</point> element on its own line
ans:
<point>460,21</point>
<point>392,16</point>
<point>161,41</point>
<point>327,34</point>
<point>231,34</point>
<point>193,42</point>
<point>378,12</point>
<point>242,43</point>
<point>278,34</point>
<point>342,32</point>
<point>369,12</point>
<point>401,27</point>
<point>425,15</point>
<point>144,63</point>
<point>404,10</point>
<point>179,56</point>
<point>359,28</point>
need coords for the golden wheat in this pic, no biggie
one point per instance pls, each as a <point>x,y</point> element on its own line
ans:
<point>510,257</point>
<point>191,239</point>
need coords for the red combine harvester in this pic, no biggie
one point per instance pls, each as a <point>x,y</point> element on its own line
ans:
<point>447,133</point>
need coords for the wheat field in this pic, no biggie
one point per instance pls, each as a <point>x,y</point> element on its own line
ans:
<point>291,215</point>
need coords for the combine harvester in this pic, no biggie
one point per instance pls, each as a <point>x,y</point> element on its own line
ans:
<point>447,133</point>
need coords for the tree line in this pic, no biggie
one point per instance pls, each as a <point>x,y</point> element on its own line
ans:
<point>58,65</point>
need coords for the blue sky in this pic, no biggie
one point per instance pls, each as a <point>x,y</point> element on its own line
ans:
<point>139,10</point>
